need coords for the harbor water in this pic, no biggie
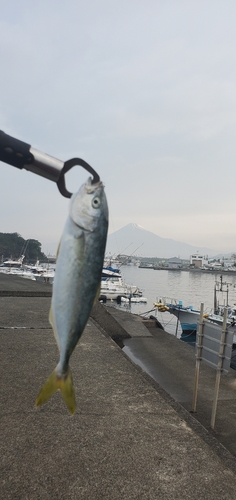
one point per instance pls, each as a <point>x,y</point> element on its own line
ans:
<point>192,288</point>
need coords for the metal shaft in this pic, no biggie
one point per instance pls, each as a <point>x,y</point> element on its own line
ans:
<point>22,155</point>
<point>45,165</point>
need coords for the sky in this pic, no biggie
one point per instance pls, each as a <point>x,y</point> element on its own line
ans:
<point>145,92</point>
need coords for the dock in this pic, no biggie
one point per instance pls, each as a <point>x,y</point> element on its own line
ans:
<point>131,436</point>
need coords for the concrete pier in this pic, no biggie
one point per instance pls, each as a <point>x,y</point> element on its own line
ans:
<point>129,438</point>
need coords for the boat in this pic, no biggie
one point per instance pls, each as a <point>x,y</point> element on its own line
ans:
<point>188,317</point>
<point>16,267</point>
<point>12,266</point>
<point>145,265</point>
<point>113,286</point>
<point>109,271</point>
<point>135,300</point>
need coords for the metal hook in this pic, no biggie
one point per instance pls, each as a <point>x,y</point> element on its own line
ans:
<point>67,166</point>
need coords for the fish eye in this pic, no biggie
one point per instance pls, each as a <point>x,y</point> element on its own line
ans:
<point>96,202</point>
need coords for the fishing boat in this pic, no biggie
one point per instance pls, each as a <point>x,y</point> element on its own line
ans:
<point>188,317</point>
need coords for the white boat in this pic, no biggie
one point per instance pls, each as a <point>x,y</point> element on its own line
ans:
<point>136,300</point>
<point>11,266</point>
<point>17,267</point>
<point>113,286</point>
<point>112,283</point>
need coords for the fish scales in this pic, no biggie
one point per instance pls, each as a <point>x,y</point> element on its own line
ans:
<point>74,293</point>
<point>77,281</point>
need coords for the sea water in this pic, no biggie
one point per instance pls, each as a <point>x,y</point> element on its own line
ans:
<point>192,288</point>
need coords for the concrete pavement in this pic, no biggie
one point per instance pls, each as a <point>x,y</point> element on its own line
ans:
<point>129,439</point>
<point>171,363</point>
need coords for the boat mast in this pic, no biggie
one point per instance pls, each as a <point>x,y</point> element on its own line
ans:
<point>220,287</point>
<point>215,301</point>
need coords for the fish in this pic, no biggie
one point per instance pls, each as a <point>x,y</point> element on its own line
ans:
<point>76,283</point>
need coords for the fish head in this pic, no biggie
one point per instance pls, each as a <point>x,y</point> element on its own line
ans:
<point>89,205</point>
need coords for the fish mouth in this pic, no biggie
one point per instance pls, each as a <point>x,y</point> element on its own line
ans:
<point>90,188</point>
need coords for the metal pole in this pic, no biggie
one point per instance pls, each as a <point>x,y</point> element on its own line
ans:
<point>177,325</point>
<point>219,369</point>
<point>198,357</point>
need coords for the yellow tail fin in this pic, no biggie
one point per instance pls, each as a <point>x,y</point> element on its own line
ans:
<point>66,387</point>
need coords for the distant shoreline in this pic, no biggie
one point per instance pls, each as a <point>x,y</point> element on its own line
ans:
<point>191,270</point>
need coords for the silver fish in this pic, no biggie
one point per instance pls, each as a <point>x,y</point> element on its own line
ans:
<point>76,282</point>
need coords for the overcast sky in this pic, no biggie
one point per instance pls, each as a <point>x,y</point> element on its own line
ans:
<point>144,91</point>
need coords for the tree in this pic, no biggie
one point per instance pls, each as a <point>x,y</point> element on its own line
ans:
<point>12,245</point>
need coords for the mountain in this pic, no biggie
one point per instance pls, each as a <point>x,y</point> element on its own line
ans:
<point>135,240</point>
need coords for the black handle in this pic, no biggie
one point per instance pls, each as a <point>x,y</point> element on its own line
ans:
<point>14,152</point>
<point>22,155</point>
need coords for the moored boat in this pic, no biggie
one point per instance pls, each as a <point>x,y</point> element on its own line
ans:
<point>188,317</point>
<point>135,300</point>
<point>113,286</point>
<point>10,265</point>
